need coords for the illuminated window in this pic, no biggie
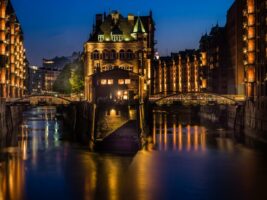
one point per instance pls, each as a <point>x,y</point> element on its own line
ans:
<point>125,95</point>
<point>121,81</point>
<point>103,82</point>
<point>116,38</point>
<point>100,38</point>
<point>127,81</point>
<point>110,81</point>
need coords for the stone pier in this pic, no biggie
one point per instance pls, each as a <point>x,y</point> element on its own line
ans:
<point>117,128</point>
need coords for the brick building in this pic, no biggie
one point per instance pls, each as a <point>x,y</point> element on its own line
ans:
<point>12,53</point>
<point>214,61</point>
<point>178,73</point>
<point>120,42</point>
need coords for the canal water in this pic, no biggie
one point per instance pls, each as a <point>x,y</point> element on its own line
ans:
<point>184,159</point>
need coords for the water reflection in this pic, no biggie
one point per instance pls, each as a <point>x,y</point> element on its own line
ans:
<point>34,136</point>
<point>40,131</point>
<point>12,176</point>
<point>170,134</point>
<point>184,160</point>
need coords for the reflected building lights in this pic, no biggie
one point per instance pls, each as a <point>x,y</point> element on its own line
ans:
<point>160,131</point>
<point>182,137</point>
<point>165,132</point>
<point>154,128</point>
<point>203,138</point>
<point>174,136</point>
<point>196,138</point>
<point>12,179</point>
<point>188,129</point>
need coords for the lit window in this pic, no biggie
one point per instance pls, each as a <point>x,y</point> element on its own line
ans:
<point>110,81</point>
<point>127,81</point>
<point>100,38</point>
<point>121,82</point>
<point>103,82</point>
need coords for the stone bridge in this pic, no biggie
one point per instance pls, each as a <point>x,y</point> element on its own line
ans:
<point>196,98</point>
<point>42,100</point>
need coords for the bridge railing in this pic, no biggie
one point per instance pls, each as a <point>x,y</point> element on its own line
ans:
<point>54,99</point>
<point>196,98</point>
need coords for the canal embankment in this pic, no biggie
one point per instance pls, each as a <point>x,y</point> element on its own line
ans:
<point>10,119</point>
<point>248,119</point>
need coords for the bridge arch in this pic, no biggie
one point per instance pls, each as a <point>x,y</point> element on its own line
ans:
<point>195,98</point>
<point>48,99</point>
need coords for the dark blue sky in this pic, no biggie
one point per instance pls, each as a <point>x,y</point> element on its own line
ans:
<point>59,27</point>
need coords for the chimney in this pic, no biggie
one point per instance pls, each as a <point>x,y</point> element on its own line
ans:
<point>131,18</point>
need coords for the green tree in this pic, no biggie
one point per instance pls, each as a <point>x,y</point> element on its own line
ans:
<point>71,79</point>
<point>62,84</point>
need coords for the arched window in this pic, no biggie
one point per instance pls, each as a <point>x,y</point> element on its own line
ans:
<point>95,55</point>
<point>105,54</point>
<point>122,54</point>
<point>113,55</point>
<point>129,54</point>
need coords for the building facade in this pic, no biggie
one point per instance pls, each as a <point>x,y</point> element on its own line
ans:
<point>235,44</point>
<point>255,49</point>
<point>214,69</point>
<point>34,80</point>
<point>178,73</point>
<point>120,42</point>
<point>12,53</point>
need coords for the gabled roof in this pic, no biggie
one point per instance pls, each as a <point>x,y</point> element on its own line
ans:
<point>139,27</point>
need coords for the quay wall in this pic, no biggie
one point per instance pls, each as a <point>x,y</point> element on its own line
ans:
<point>255,119</point>
<point>10,119</point>
<point>248,119</point>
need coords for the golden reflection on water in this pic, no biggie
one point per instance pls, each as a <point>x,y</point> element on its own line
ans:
<point>180,136</point>
<point>108,177</point>
<point>12,169</point>
<point>174,136</point>
<point>170,134</point>
<point>165,132</point>
<point>12,178</point>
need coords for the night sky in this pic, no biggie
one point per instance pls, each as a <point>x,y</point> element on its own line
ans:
<point>59,27</point>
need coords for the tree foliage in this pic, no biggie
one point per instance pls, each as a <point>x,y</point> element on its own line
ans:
<point>71,79</point>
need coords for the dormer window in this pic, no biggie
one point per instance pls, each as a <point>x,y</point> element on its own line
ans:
<point>100,38</point>
<point>117,38</point>
<point>116,34</point>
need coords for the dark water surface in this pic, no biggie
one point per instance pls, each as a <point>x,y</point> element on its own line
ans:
<point>183,160</point>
